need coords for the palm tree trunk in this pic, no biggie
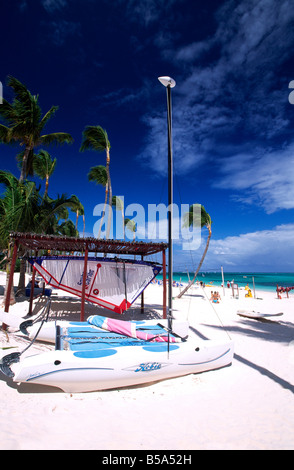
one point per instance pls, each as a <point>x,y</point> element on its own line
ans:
<point>110,193</point>
<point>22,276</point>
<point>8,270</point>
<point>23,172</point>
<point>199,266</point>
<point>46,187</point>
<point>103,213</point>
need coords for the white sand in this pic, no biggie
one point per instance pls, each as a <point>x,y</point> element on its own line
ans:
<point>248,405</point>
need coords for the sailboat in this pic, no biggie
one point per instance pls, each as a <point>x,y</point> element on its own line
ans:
<point>105,353</point>
<point>110,282</point>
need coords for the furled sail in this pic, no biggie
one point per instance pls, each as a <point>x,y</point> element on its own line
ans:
<point>111,283</point>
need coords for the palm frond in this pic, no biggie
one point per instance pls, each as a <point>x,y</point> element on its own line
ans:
<point>4,134</point>
<point>48,116</point>
<point>20,90</point>
<point>95,138</point>
<point>57,138</point>
<point>98,175</point>
<point>6,111</point>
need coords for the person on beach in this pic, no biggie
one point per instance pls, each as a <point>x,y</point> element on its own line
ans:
<point>215,297</point>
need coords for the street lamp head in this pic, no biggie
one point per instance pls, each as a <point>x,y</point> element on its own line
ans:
<point>167,81</point>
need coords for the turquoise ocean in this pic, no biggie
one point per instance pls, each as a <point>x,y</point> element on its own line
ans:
<point>262,281</point>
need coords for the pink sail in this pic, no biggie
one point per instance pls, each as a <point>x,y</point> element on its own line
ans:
<point>132,329</point>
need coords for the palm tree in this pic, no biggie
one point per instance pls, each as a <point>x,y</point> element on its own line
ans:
<point>19,207</point>
<point>79,210</point>
<point>44,166</point>
<point>132,226</point>
<point>189,220</point>
<point>22,209</point>
<point>52,211</point>
<point>68,229</point>
<point>118,204</point>
<point>18,210</point>
<point>29,165</point>
<point>25,124</point>
<point>98,175</point>
<point>96,138</point>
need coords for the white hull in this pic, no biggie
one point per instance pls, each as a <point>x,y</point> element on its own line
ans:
<point>94,363</point>
<point>112,367</point>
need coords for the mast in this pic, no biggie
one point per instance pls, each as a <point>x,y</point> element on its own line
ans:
<point>169,83</point>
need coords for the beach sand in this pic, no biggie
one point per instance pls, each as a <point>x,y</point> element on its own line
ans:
<point>249,405</point>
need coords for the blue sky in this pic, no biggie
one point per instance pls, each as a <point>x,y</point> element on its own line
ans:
<point>233,124</point>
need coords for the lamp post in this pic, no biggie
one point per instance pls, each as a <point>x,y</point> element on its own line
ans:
<point>169,83</point>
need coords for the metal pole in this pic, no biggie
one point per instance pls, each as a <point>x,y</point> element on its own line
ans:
<point>170,203</point>
<point>169,83</point>
<point>164,283</point>
<point>223,280</point>
<point>142,294</point>
<point>253,286</point>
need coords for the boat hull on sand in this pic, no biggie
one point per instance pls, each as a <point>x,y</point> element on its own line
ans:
<point>113,367</point>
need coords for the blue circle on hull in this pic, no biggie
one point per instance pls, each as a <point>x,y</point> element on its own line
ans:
<point>95,354</point>
<point>160,347</point>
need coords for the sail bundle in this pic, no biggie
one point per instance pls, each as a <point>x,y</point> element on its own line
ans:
<point>111,283</point>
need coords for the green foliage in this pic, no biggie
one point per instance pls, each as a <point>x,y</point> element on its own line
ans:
<point>98,175</point>
<point>95,138</point>
<point>24,124</point>
<point>23,209</point>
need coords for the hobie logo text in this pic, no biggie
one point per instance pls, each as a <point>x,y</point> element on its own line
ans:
<point>148,366</point>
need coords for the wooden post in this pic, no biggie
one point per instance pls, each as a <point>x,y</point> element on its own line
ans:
<point>10,281</point>
<point>32,292</point>
<point>164,283</point>
<point>84,285</point>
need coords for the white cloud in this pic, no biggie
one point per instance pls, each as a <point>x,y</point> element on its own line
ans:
<point>147,12</point>
<point>265,250</point>
<point>62,30</point>
<point>226,110</point>
<point>54,5</point>
<point>265,179</point>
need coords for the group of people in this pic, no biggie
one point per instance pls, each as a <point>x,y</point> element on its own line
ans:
<point>215,297</point>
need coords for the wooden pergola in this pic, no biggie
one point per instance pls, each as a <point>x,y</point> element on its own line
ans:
<point>38,242</point>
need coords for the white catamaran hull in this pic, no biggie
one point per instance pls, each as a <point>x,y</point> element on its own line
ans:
<point>86,371</point>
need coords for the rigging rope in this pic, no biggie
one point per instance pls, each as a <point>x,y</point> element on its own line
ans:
<point>14,357</point>
<point>216,314</point>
